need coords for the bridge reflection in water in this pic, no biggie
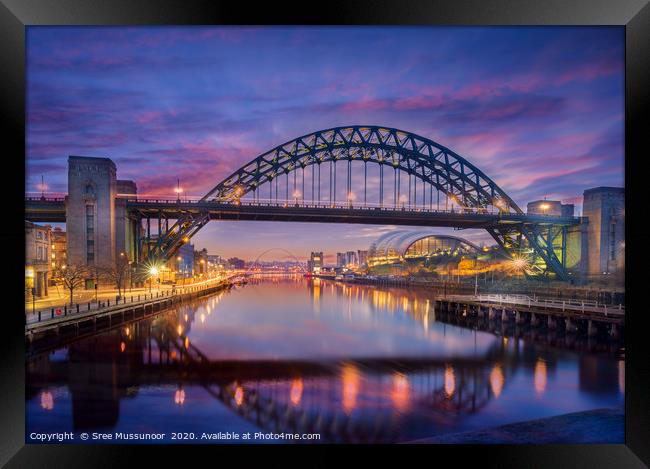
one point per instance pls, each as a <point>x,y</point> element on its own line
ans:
<point>355,399</point>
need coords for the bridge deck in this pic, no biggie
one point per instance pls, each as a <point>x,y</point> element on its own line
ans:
<point>53,210</point>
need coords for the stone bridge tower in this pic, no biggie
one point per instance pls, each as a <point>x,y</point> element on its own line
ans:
<point>97,224</point>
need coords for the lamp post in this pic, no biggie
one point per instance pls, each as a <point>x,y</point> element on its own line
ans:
<point>544,207</point>
<point>178,191</point>
<point>153,271</point>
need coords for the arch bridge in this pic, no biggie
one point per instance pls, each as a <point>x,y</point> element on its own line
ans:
<point>356,174</point>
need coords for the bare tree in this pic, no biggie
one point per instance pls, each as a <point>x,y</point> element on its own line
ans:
<point>119,272</point>
<point>73,276</point>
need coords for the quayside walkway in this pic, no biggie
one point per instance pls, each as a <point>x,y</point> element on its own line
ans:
<point>105,314</point>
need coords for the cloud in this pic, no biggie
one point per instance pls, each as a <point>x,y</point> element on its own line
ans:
<point>539,110</point>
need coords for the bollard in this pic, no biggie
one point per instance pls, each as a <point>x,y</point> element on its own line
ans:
<point>109,302</point>
<point>77,308</point>
<point>138,297</point>
<point>39,316</point>
<point>65,310</point>
<point>52,313</point>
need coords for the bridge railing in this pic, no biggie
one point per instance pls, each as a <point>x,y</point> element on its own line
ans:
<point>554,303</point>
<point>297,203</point>
<point>316,204</point>
<point>105,304</point>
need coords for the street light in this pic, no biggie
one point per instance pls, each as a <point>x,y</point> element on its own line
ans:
<point>153,271</point>
<point>178,190</point>
<point>544,207</point>
<point>351,198</point>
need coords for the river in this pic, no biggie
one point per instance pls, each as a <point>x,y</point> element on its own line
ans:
<point>289,355</point>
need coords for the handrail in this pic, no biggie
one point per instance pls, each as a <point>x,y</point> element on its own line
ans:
<point>41,316</point>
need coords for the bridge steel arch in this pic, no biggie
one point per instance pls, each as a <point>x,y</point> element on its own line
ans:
<point>426,160</point>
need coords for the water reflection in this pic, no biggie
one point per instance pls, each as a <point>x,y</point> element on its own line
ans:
<point>47,400</point>
<point>400,393</point>
<point>349,362</point>
<point>496,380</point>
<point>450,381</point>
<point>540,376</point>
<point>350,378</point>
<point>296,391</point>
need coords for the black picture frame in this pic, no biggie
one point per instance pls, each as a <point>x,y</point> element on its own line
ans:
<point>634,15</point>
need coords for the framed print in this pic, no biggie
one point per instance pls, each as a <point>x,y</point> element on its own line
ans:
<point>384,224</point>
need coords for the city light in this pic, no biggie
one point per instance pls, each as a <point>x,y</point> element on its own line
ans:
<point>239,396</point>
<point>450,381</point>
<point>153,271</point>
<point>497,380</point>
<point>295,394</point>
<point>47,400</point>
<point>179,396</point>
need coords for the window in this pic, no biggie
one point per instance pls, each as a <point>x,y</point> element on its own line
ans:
<point>90,233</point>
<point>612,242</point>
<point>39,253</point>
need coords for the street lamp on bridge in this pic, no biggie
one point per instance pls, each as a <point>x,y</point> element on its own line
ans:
<point>178,190</point>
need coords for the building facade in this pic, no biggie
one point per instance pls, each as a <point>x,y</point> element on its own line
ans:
<point>59,255</point>
<point>201,262</point>
<point>126,228</point>
<point>550,207</point>
<point>605,209</point>
<point>90,211</point>
<point>37,259</point>
<point>185,261</point>
<point>315,263</point>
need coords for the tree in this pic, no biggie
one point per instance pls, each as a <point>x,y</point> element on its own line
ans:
<point>73,276</point>
<point>119,272</point>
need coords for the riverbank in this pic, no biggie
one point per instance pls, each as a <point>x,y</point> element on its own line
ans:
<point>598,426</point>
<point>469,286</point>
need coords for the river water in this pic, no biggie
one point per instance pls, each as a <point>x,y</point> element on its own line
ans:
<point>289,355</point>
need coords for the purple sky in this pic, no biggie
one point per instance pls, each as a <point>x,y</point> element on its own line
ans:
<point>539,110</point>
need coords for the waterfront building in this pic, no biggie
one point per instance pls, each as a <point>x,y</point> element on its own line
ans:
<point>605,209</point>
<point>59,255</point>
<point>550,207</point>
<point>347,259</point>
<point>236,263</point>
<point>201,262</point>
<point>362,257</point>
<point>315,263</point>
<point>37,259</point>
<point>401,251</point>
<point>185,261</point>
